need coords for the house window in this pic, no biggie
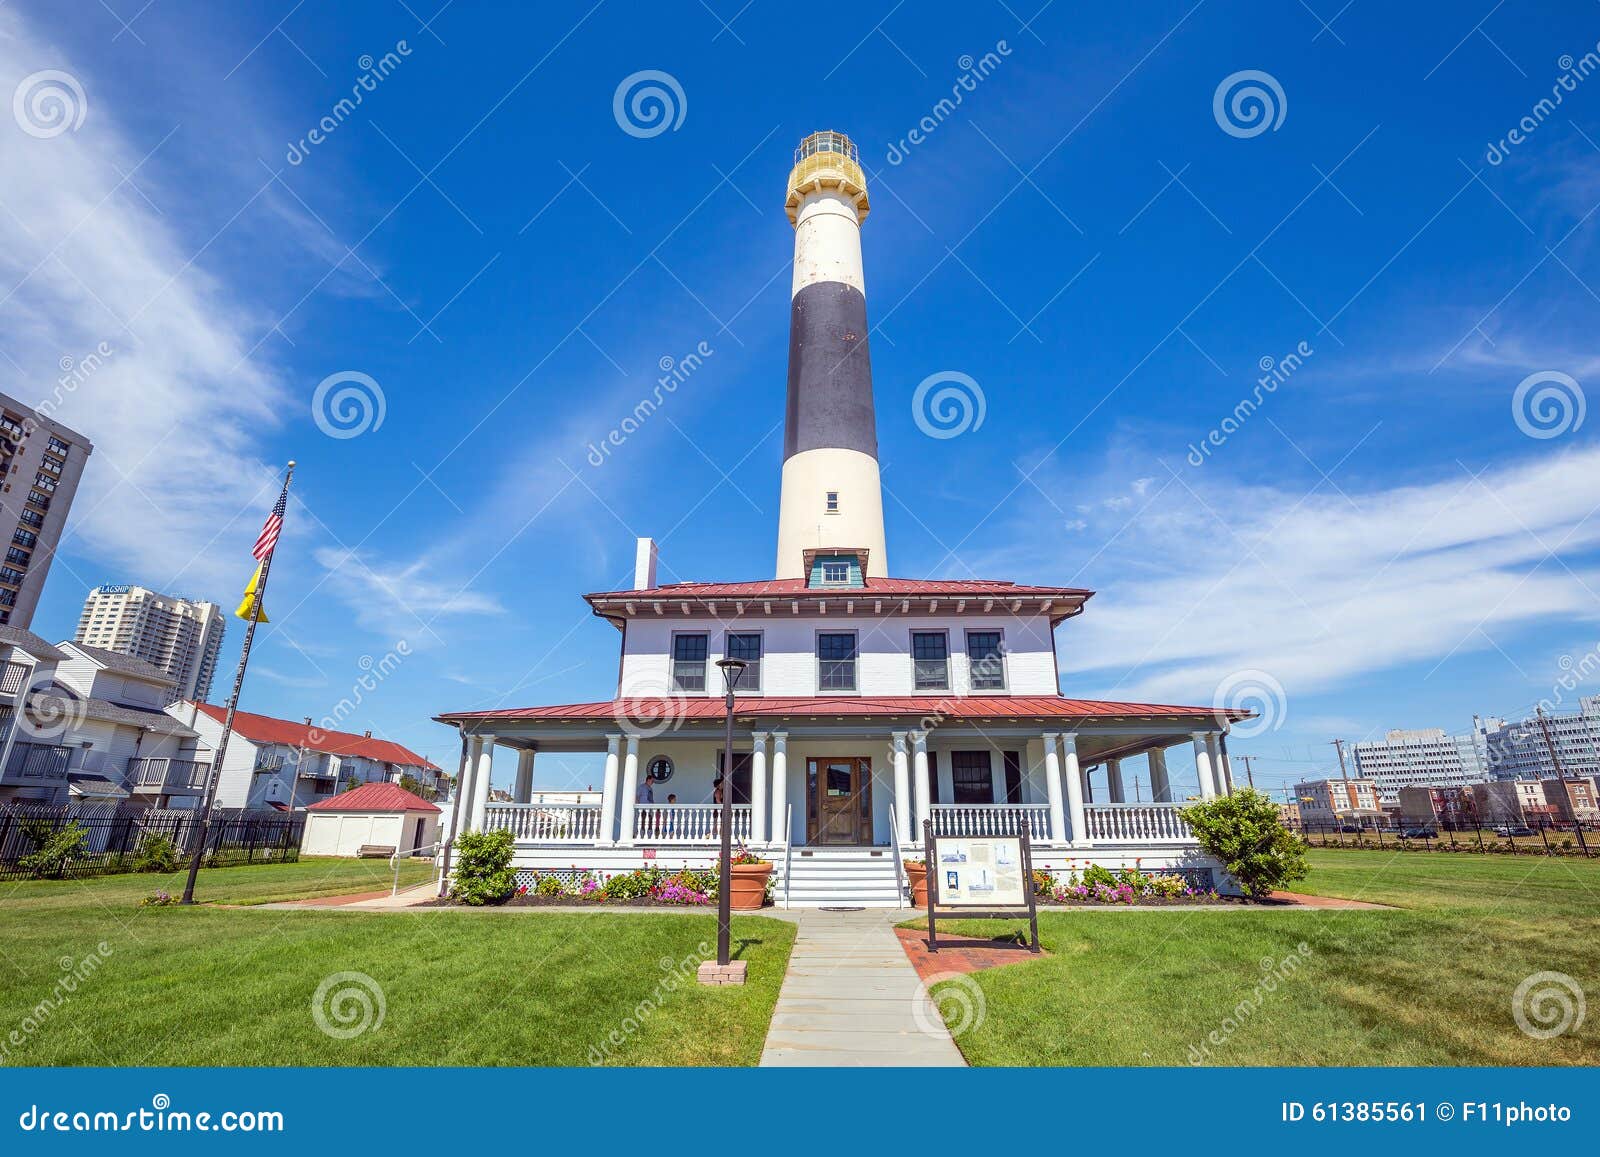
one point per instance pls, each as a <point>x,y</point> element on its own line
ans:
<point>689,662</point>
<point>1014,777</point>
<point>57,446</point>
<point>970,777</point>
<point>832,502</point>
<point>986,656</point>
<point>836,662</point>
<point>835,572</point>
<point>930,661</point>
<point>660,769</point>
<point>748,648</point>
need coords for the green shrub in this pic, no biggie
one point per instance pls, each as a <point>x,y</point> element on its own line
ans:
<point>157,853</point>
<point>484,874</point>
<point>1244,832</point>
<point>1095,874</point>
<point>55,849</point>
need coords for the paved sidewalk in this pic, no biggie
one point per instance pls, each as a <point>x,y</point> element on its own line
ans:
<point>851,998</point>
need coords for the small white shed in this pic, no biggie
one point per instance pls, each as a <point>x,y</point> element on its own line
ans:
<point>374,815</point>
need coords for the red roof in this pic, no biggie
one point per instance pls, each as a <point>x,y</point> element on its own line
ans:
<point>779,588</point>
<point>375,797</point>
<point>265,729</point>
<point>950,707</point>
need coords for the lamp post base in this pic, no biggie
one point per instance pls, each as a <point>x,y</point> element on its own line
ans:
<point>713,973</point>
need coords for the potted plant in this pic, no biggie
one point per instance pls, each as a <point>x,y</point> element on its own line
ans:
<point>917,872</point>
<point>748,887</point>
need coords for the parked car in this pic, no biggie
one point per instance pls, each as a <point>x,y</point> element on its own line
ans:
<point>1509,830</point>
<point>1418,833</point>
<point>1350,828</point>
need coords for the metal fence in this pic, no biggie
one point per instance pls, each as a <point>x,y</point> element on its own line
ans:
<point>1541,836</point>
<point>116,833</point>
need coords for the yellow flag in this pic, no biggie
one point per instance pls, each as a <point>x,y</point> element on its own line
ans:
<point>250,607</point>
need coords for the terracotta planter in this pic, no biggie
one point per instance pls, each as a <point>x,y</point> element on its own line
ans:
<point>918,875</point>
<point>749,890</point>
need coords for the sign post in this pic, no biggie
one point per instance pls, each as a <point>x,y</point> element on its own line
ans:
<point>987,878</point>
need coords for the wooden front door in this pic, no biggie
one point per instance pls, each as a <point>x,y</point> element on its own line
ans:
<point>839,800</point>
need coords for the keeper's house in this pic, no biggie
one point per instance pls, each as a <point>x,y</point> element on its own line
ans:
<point>868,704</point>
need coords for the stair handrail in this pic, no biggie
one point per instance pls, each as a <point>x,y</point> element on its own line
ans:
<point>788,843</point>
<point>899,868</point>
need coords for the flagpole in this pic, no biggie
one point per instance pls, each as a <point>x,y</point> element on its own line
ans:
<point>233,707</point>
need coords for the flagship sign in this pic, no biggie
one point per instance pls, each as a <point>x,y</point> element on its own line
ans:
<point>988,878</point>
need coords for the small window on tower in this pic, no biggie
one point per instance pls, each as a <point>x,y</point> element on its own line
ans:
<point>833,502</point>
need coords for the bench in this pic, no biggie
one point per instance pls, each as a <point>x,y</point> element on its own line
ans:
<point>374,851</point>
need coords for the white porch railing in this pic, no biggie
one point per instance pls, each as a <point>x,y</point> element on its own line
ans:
<point>545,823</point>
<point>991,819</point>
<point>1134,823</point>
<point>687,823</point>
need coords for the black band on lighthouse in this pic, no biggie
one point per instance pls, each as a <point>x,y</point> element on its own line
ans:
<point>830,372</point>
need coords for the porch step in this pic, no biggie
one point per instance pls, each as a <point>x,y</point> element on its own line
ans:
<point>847,877</point>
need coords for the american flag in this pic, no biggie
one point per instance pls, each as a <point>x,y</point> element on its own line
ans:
<point>269,532</point>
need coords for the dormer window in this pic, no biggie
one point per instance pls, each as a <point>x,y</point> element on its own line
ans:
<point>834,569</point>
<point>836,572</point>
<point>831,503</point>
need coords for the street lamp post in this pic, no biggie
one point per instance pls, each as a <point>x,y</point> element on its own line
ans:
<point>731,670</point>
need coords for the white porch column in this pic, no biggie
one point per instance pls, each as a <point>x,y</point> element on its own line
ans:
<point>1202,765</point>
<point>523,791</point>
<point>630,790</point>
<point>919,781</point>
<point>1114,781</point>
<point>1052,784</point>
<point>480,786</point>
<point>758,787</point>
<point>608,793</point>
<point>1220,761</point>
<point>466,785</point>
<point>902,788</point>
<point>1074,777</point>
<point>1160,785</point>
<point>780,786</point>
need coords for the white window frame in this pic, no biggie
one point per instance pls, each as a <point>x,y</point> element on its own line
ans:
<point>761,670</point>
<point>911,652</point>
<point>816,660</point>
<point>672,664</point>
<point>1005,674</point>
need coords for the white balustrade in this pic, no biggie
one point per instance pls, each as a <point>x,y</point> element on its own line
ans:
<point>1134,823</point>
<point>991,819</point>
<point>687,823</point>
<point>543,823</point>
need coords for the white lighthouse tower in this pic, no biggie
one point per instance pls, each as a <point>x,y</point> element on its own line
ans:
<point>832,498</point>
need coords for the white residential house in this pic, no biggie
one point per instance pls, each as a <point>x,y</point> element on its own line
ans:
<point>279,763</point>
<point>869,705</point>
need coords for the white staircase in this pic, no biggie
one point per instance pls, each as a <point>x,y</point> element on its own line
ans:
<point>841,877</point>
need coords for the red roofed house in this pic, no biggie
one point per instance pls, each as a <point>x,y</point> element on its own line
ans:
<point>275,762</point>
<point>868,704</point>
<point>374,815</point>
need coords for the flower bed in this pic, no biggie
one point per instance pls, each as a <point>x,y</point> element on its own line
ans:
<point>651,887</point>
<point>1099,887</point>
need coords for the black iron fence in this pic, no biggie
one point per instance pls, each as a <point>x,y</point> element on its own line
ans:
<point>116,836</point>
<point>1538,836</point>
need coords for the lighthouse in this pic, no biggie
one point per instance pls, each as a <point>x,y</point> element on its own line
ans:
<point>831,499</point>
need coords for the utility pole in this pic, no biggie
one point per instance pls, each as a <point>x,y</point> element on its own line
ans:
<point>1248,774</point>
<point>1550,746</point>
<point>299,757</point>
<point>1338,745</point>
<point>1136,797</point>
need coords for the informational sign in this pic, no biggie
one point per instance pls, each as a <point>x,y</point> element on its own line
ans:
<point>985,873</point>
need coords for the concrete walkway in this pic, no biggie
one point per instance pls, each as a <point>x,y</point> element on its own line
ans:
<point>851,998</point>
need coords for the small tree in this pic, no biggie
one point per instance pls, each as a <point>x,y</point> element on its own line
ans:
<point>54,851</point>
<point>157,853</point>
<point>484,874</point>
<point>1244,832</point>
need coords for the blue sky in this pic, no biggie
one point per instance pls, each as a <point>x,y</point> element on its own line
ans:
<point>1380,539</point>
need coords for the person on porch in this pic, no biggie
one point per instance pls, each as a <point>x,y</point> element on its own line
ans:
<point>646,793</point>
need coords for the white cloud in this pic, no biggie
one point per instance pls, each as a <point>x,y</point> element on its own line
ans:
<point>1212,577</point>
<point>401,601</point>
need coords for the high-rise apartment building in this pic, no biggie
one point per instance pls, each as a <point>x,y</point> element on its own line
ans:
<point>180,636</point>
<point>1419,758</point>
<point>41,462</point>
<point>1554,747</point>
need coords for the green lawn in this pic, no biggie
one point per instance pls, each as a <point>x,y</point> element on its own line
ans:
<point>235,986</point>
<point>1427,984</point>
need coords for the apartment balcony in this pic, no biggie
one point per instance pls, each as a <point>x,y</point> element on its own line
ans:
<point>165,776</point>
<point>14,677</point>
<point>37,763</point>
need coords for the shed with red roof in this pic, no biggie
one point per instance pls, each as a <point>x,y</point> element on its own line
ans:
<point>370,817</point>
